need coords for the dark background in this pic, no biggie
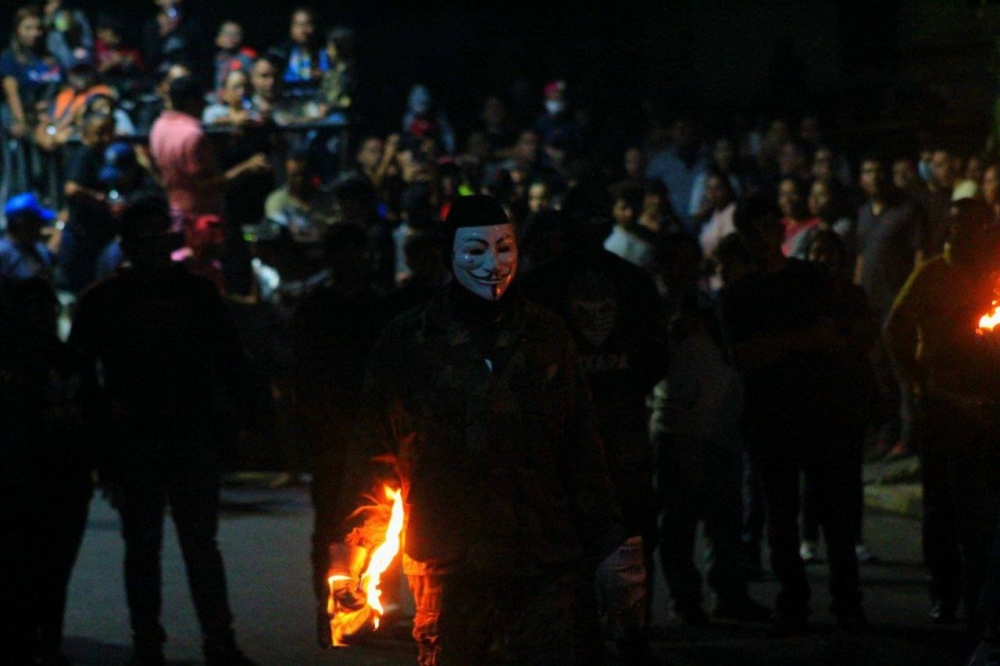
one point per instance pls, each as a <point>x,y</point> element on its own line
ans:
<point>867,69</point>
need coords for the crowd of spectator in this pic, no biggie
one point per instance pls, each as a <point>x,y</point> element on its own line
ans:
<point>777,259</point>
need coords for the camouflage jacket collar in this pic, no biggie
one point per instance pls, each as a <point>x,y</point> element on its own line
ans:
<point>440,320</point>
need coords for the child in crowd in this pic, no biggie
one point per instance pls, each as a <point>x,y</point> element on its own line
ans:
<point>113,58</point>
<point>83,84</point>
<point>539,196</point>
<point>68,35</point>
<point>232,54</point>
<point>126,177</point>
<point>302,60</point>
<point>91,225</point>
<point>425,120</point>
<point>202,251</point>
<point>233,105</point>
<point>108,105</point>
<point>338,82</point>
<point>629,240</point>
<point>23,254</point>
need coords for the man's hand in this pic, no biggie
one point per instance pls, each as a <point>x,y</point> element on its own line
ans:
<point>392,144</point>
<point>111,60</point>
<point>144,158</point>
<point>346,564</point>
<point>347,593</point>
<point>243,119</point>
<point>258,163</point>
<point>344,576</point>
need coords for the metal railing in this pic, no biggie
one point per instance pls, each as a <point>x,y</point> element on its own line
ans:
<point>5,180</point>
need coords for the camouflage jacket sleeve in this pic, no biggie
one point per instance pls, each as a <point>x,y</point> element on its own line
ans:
<point>372,454</point>
<point>599,519</point>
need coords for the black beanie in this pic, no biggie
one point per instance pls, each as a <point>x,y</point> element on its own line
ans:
<point>477,210</point>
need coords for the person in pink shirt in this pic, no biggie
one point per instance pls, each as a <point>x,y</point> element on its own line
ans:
<point>185,158</point>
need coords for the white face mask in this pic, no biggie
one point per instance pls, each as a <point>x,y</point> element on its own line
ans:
<point>555,106</point>
<point>484,259</point>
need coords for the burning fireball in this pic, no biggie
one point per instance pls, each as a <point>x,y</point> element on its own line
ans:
<point>345,622</point>
<point>989,320</point>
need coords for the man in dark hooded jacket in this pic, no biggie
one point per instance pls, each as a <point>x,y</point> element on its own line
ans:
<point>474,405</point>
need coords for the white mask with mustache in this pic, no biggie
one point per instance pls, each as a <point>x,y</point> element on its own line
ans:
<point>484,259</point>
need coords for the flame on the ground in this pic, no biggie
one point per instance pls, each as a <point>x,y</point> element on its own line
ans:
<point>989,320</point>
<point>345,623</point>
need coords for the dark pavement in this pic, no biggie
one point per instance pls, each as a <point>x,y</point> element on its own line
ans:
<point>264,538</point>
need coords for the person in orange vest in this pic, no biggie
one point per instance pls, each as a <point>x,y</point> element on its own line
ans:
<point>83,85</point>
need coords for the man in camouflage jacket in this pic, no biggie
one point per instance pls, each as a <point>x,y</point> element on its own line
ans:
<point>475,407</point>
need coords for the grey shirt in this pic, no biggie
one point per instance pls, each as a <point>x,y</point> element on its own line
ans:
<point>888,244</point>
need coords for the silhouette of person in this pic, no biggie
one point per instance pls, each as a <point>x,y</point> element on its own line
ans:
<point>162,339</point>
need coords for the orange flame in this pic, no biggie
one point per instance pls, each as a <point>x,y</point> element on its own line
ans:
<point>345,623</point>
<point>989,321</point>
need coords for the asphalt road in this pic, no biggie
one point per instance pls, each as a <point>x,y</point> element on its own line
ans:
<point>264,538</point>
